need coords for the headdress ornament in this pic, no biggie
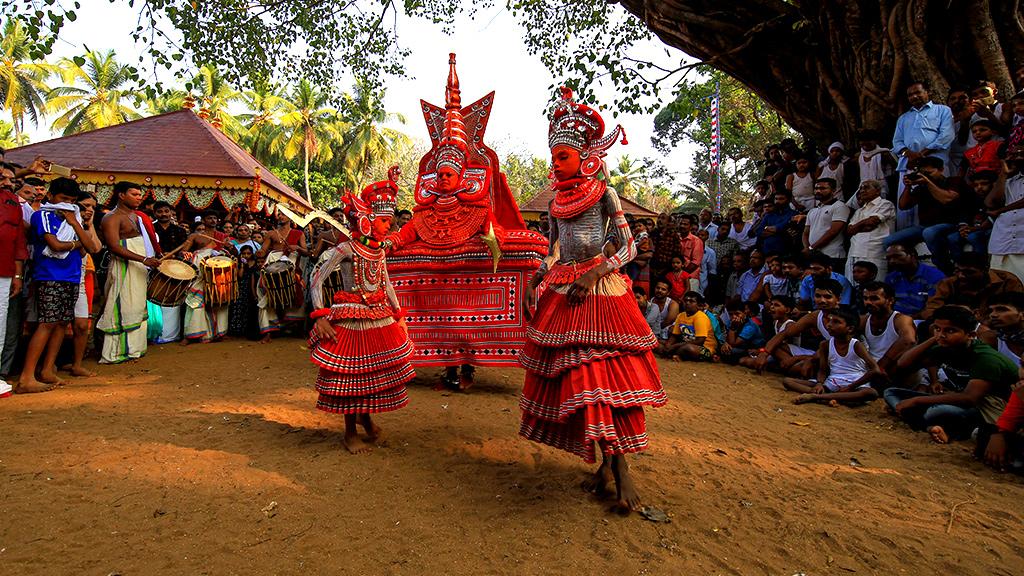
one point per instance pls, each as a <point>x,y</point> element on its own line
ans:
<point>382,197</point>
<point>376,200</point>
<point>581,127</point>
<point>453,147</point>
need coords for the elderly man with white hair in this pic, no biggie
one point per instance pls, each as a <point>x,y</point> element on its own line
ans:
<point>868,228</point>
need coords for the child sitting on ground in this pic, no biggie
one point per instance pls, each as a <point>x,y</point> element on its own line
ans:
<point>780,312</point>
<point>744,334</point>
<point>845,368</point>
<point>693,337</point>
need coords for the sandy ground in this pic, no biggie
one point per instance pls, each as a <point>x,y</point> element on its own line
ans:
<point>190,463</point>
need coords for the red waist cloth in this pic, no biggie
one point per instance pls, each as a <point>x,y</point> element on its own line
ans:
<point>458,310</point>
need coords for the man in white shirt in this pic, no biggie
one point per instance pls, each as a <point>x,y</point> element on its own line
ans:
<point>1006,205</point>
<point>826,222</point>
<point>870,225</point>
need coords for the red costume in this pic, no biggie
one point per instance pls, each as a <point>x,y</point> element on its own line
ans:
<point>589,363</point>
<point>365,368</point>
<point>460,265</point>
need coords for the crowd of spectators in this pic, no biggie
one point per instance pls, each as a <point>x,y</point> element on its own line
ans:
<point>869,270</point>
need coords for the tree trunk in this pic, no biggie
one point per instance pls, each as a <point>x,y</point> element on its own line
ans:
<point>832,67</point>
<point>305,173</point>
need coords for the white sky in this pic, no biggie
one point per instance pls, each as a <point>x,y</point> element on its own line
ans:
<point>490,53</point>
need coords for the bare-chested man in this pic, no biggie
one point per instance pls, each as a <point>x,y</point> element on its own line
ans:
<point>792,359</point>
<point>204,322</point>
<point>282,243</point>
<point>124,319</point>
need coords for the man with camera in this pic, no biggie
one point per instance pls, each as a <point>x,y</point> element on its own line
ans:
<point>940,204</point>
<point>923,131</point>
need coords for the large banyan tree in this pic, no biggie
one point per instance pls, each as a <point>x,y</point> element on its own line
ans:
<point>828,66</point>
<point>832,66</point>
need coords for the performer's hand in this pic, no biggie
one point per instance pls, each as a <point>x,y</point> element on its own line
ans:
<point>323,330</point>
<point>529,300</point>
<point>15,288</point>
<point>581,287</point>
<point>404,326</point>
<point>151,262</point>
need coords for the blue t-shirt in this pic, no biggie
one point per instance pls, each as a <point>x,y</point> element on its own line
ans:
<point>913,293</point>
<point>45,268</point>
<point>807,289</point>
<point>751,334</point>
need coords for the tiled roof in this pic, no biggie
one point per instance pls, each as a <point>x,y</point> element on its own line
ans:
<point>178,143</point>
<point>540,203</point>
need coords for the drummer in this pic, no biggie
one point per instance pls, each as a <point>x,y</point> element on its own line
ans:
<point>124,314</point>
<point>329,236</point>
<point>204,322</point>
<point>283,242</point>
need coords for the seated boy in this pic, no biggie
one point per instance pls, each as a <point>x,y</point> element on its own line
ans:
<point>693,337</point>
<point>976,384</point>
<point>792,359</point>
<point>845,368</point>
<point>744,334</point>
<point>1002,447</point>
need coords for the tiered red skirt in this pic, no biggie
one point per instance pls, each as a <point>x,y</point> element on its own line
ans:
<point>590,370</point>
<point>365,369</point>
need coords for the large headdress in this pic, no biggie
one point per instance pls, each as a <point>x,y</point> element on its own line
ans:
<point>452,148</point>
<point>581,127</point>
<point>376,200</point>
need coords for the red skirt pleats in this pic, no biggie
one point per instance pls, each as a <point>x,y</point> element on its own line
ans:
<point>590,370</point>
<point>365,369</point>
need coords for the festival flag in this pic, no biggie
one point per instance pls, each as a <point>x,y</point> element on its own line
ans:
<point>716,146</point>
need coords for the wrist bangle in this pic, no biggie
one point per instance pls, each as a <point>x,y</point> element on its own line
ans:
<point>17,276</point>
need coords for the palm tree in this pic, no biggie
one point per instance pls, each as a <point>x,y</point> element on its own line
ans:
<point>9,138</point>
<point>164,102</point>
<point>262,123</point>
<point>214,97</point>
<point>366,140</point>
<point>309,128</point>
<point>94,94</point>
<point>22,82</point>
<point>629,179</point>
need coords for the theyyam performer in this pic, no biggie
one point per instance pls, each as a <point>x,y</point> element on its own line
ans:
<point>460,265</point>
<point>359,340</point>
<point>590,368</point>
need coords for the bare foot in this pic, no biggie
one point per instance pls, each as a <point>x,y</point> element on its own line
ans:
<point>599,482</point>
<point>355,445</point>
<point>833,404</point>
<point>79,372</point>
<point>804,399</point>
<point>47,377</point>
<point>939,435</point>
<point>373,432</point>
<point>265,339</point>
<point>33,386</point>
<point>628,500</point>
<point>184,342</point>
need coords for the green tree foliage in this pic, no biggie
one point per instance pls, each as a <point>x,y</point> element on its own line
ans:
<point>96,94</point>
<point>527,175</point>
<point>365,139</point>
<point>748,127</point>
<point>22,78</point>
<point>9,138</point>
<point>310,128</point>
<point>325,188</point>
